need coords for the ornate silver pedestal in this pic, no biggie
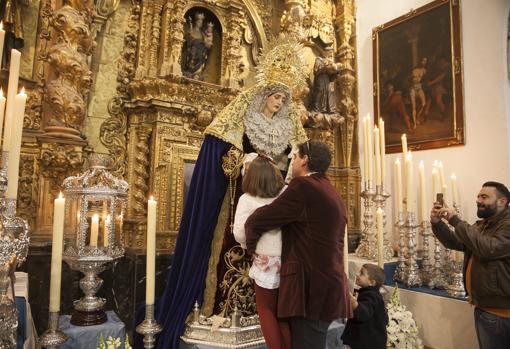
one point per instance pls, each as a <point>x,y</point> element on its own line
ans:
<point>149,328</point>
<point>427,270</point>
<point>52,337</point>
<point>366,248</point>
<point>438,278</point>
<point>8,312</point>
<point>411,273</point>
<point>456,288</point>
<point>380,202</point>
<point>234,332</point>
<point>399,271</point>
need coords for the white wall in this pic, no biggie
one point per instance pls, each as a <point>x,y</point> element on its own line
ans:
<point>486,154</point>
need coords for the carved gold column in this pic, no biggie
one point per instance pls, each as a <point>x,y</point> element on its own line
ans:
<point>173,37</point>
<point>232,42</point>
<point>292,19</point>
<point>347,143</point>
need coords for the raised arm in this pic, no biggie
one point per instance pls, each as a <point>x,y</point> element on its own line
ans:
<point>243,211</point>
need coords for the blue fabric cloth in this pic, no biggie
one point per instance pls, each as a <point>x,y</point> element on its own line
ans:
<point>186,280</point>
<point>21,336</point>
<point>88,336</point>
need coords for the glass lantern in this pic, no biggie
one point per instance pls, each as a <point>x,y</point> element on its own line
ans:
<point>95,207</point>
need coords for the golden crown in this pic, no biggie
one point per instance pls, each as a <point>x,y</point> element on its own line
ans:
<point>282,61</point>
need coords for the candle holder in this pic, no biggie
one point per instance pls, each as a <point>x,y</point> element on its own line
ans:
<point>399,271</point>
<point>380,202</point>
<point>53,336</point>
<point>438,277</point>
<point>14,243</point>
<point>411,273</point>
<point>149,328</point>
<point>427,270</point>
<point>95,193</point>
<point>366,248</point>
<point>456,287</point>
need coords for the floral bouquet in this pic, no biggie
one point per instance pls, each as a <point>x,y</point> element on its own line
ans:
<point>113,343</point>
<point>402,329</point>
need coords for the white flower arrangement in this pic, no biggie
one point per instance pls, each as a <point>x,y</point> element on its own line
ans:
<point>113,343</point>
<point>402,329</point>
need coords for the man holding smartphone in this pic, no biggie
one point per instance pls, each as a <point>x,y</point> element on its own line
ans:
<point>486,246</point>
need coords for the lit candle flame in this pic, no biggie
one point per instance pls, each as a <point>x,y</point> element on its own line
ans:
<point>60,196</point>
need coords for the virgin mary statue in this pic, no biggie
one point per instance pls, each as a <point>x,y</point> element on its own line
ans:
<point>252,122</point>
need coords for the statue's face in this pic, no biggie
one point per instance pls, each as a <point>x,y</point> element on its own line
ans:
<point>275,102</point>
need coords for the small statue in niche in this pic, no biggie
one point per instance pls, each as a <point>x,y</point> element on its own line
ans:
<point>325,72</point>
<point>10,15</point>
<point>197,46</point>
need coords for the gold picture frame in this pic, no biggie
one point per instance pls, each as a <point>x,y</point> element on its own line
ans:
<point>418,77</point>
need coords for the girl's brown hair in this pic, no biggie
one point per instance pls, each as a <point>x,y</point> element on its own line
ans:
<point>262,179</point>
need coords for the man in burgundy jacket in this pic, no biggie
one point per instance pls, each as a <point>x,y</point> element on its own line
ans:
<point>313,288</point>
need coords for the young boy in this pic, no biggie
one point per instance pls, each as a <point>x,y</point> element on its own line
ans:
<point>367,328</point>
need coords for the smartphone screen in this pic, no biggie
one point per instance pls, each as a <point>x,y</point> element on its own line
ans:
<point>439,198</point>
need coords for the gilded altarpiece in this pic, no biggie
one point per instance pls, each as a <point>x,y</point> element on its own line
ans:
<point>158,115</point>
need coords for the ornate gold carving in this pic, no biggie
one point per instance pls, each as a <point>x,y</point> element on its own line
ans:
<point>66,94</point>
<point>113,130</point>
<point>28,186</point>
<point>236,284</point>
<point>59,161</point>
<point>139,185</point>
<point>232,41</point>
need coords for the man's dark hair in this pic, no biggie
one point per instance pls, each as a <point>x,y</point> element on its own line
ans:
<point>319,155</point>
<point>375,273</point>
<point>501,190</point>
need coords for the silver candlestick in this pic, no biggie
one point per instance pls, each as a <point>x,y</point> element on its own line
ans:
<point>366,248</point>
<point>456,287</point>
<point>8,311</point>
<point>149,328</point>
<point>427,270</point>
<point>380,202</point>
<point>411,273</point>
<point>399,271</point>
<point>438,278</point>
<point>53,336</point>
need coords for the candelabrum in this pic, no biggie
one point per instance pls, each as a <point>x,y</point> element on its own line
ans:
<point>399,271</point>
<point>95,193</point>
<point>52,337</point>
<point>366,248</point>
<point>427,270</point>
<point>149,328</point>
<point>411,273</point>
<point>14,242</point>
<point>380,202</point>
<point>438,277</point>
<point>456,287</point>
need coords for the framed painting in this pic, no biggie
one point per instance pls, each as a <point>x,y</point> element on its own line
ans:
<point>418,77</point>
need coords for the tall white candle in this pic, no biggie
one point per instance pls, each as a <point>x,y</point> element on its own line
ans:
<point>151,251</point>
<point>455,192</point>
<point>383,151</point>
<point>56,252</point>
<point>423,192</point>
<point>12,89</point>
<point>15,147</point>
<point>2,110</point>
<point>380,237</point>
<point>404,169</point>
<point>365,150</point>
<point>370,149</point>
<point>404,144</point>
<point>346,252</point>
<point>446,197</point>
<point>2,40</point>
<point>441,174</point>
<point>411,204</point>
<point>398,186</point>
<point>94,230</point>
<point>377,152</point>
<point>435,183</point>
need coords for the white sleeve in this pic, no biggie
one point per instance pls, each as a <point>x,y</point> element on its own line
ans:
<point>243,211</point>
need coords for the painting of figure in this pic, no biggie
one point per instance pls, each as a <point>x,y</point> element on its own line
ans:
<point>418,77</point>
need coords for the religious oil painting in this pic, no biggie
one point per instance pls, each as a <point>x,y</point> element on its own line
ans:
<point>418,77</point>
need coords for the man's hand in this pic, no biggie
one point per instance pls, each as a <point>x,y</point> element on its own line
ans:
<point>354,301</point>
<point>439,212</point>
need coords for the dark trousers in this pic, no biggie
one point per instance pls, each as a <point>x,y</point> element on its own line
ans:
<point>308,334</point>
<point>493,331</point>
<point>276,331</point>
